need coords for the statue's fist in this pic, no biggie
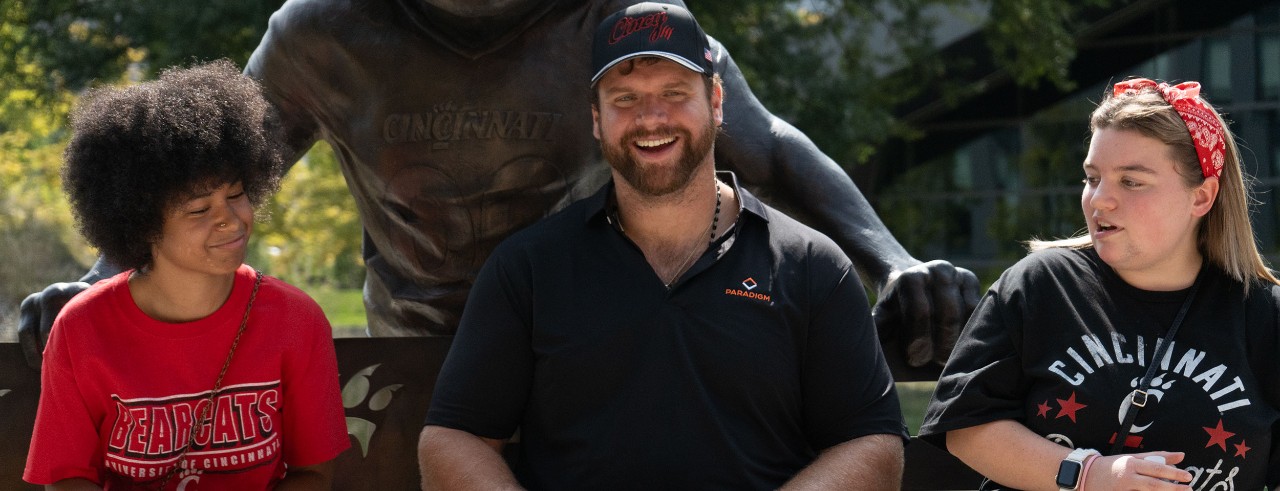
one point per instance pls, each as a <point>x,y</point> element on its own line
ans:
<point>36,317</point>
<point>923,308</point>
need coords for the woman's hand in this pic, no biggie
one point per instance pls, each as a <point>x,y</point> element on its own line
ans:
<point>1133,472</point>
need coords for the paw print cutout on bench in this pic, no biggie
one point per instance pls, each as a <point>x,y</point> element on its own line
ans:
<point>355,393</point>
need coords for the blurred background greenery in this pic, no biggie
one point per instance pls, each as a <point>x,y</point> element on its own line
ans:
<point>833,68</point>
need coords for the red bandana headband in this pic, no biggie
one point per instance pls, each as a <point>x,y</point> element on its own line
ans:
<point>1206,131</point>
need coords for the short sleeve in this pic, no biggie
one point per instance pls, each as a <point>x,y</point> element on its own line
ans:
<point>848,390</point>
<point>1264,336</point>
<point>984,379</point>
<point>315,427</point>
<point>65,443</point>
<point>484,384</point>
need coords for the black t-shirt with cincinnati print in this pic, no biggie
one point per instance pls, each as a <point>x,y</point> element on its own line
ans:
<point>1060,341</point>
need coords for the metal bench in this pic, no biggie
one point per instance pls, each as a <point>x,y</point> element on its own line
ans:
<point>387,385</point>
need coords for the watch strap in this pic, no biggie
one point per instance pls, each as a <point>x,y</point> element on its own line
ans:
<point>1071,469</point>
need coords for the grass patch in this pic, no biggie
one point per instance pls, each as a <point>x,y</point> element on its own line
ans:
<point>344,307</point>
<point>914,397</point>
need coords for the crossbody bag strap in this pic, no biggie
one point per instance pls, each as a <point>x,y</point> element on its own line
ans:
<point>1138,398</point>
<point>217,384</point>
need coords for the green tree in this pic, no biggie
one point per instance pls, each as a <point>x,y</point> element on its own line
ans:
<point>313,233</point>
<point>79,43</point>
<point>37,243</point>
<point>837,69</point>
<point>52,50</point>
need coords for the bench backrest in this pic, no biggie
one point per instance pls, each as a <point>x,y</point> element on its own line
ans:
<point>386,388</point>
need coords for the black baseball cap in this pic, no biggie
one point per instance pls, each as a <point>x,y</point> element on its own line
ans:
<point>650,29</point>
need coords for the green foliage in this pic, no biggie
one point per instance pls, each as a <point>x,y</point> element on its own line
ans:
<point>54,48</point>
<point>1054,147</point>
<point>24,105</point>
<point>80,42</point>
<point>930,226</point>
<point>914,397</point>
<point>1033,40</point>
<point>313,235</point>
<point>38,245</point>
<point>936,209</point>
<point>837,69</point>
<point>818,68</point>
<point>344,307</point>
<point>37,242</point>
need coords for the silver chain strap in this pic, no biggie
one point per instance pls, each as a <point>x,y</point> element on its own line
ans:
<point>217,384</point>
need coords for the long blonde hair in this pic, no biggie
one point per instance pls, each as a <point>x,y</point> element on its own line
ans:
<point>1225,235</point>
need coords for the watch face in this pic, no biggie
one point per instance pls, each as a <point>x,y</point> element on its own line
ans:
<point>1068,474</point>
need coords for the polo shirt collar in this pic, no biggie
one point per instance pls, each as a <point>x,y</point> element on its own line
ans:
<point>602,207</point>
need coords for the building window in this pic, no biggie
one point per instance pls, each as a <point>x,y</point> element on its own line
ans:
<point>1269,66</point>
<point>1217,69</point>
<point>1158,68</point>
<point>1274,131</point>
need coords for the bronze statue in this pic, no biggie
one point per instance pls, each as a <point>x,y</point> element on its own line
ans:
<point>458,122</point>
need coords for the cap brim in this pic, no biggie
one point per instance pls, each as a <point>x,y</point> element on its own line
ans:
<point>661,54</point>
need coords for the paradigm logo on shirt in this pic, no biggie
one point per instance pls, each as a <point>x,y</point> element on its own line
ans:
<point>149,434</point>
<point>748,285</point>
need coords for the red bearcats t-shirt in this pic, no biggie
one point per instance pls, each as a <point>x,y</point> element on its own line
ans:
<point>121,391</point>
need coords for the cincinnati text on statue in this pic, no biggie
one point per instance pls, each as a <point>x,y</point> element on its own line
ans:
<point>444,125</point>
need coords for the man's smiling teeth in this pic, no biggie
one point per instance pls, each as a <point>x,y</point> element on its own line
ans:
<point>1105,226</point>
<point>654,143</point>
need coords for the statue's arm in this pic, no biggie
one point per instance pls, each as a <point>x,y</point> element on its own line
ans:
<point>38,311</point>
<point>277,63</point>
<point>920,306</point>
<point>771,154</point>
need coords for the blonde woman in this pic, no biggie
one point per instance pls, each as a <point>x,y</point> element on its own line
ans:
<point>1140,355</point>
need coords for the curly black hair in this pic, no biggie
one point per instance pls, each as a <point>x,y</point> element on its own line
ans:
<point>137,151</point>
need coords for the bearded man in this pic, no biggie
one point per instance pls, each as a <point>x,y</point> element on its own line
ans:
<point>671,331</point>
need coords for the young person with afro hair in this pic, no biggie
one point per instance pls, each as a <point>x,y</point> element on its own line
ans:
<point>189,367</point>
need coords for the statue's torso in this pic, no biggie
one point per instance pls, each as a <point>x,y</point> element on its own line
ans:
<point>445,154</point>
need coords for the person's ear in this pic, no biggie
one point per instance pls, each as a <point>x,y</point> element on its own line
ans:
<point>717,103</point>
<point>595,121</point>
<point>1204,196</point>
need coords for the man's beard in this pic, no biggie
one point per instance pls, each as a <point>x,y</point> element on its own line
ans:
<point>659,180</point>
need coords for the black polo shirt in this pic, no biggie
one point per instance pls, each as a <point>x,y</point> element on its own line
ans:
<point>760,356</point>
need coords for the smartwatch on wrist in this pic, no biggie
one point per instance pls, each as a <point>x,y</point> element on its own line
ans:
<point>1070,470</point>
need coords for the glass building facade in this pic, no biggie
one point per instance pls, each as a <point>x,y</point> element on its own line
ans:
<point>977,204</point>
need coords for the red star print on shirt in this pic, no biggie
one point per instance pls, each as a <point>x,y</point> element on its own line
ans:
<point>1069,407</point>
<point>1044,409</point>
<point>1218,436</point>
<point>1241,448</point>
